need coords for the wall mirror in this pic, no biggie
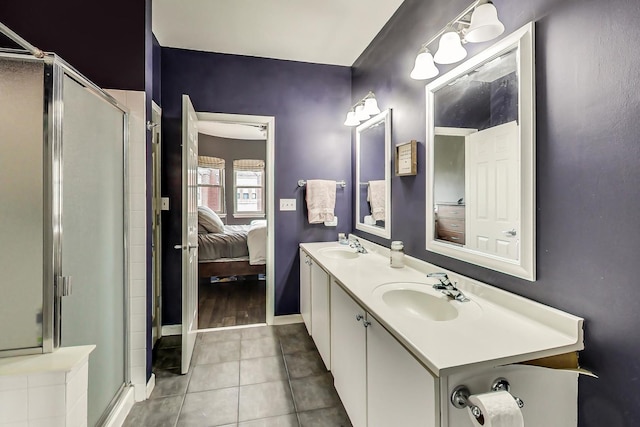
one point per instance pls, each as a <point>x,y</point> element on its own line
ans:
<point>481,154</point>
<point>373,175</point>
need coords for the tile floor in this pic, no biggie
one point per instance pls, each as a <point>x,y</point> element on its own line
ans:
<point>267,376</point>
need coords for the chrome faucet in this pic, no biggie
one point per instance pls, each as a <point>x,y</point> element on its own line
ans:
<point>355,243</point>
<point>447,288</point>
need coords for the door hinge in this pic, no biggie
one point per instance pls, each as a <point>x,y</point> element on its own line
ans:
<point>64,288</point>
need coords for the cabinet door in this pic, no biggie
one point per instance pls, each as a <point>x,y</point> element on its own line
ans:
<point>320,320</point>
<point>305,289</point>
<point>401,392</point>
<point>348,354</point>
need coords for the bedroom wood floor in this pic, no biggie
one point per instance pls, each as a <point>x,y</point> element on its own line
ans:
<point>240,302</point>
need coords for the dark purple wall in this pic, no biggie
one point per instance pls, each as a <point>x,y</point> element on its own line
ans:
<point>476,104</point>
<point>230,150</point>
<point>157,72</point>
<point>308,101</point>
<point>105,41</point>
<point>588,174</point>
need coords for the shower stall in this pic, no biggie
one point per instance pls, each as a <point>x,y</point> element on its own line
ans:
<point>63,220</point>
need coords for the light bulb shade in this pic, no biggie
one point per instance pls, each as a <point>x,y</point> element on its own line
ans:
<point>360,113</point>
<point>371,106</point>
<point>485,24</point>
<point>450,49</point>
<point>351,119</point>
<point>424,67</point>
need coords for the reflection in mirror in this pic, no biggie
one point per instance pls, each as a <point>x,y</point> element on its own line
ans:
<point>480,136</point>
<point>373,180</point>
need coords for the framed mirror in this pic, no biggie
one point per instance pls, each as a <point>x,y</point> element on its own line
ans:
<point>481,159</point>
<point>373,175</point>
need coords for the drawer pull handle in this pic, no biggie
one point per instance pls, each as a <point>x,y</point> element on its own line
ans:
<point>454,238</point>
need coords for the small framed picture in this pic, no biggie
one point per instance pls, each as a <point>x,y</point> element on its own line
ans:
<point>407,158</point>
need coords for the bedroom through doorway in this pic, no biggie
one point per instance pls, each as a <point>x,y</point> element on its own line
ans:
<point>235,202</point>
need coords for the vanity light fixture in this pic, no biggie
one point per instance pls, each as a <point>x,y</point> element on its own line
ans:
<point>424,68</point>
<point>362,110</point>
<point>450,49</point>
<point>477,23</point>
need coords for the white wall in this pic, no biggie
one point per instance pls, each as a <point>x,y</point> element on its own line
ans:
<point>135,102</point>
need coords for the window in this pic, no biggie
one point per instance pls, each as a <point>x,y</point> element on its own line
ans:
<point>211,183</point>
<point>248,182</point>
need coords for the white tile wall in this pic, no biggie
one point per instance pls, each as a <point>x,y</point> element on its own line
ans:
<point>48,399</point>
<point>13,406</point>
<point>135,102</point>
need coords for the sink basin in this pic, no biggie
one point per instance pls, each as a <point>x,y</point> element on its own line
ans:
<point>417,300</point>
<point>339,253</point>
<point>420,304</point>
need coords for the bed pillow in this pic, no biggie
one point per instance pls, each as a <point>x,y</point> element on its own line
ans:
<point>210,220</point>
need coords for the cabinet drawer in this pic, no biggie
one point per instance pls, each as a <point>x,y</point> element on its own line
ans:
<point>450,211</point>
<point>449,224</point>
<point>451,236</point>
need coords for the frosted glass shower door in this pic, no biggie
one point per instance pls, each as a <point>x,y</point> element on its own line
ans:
<point>93,236</point>
<point>21,204</point>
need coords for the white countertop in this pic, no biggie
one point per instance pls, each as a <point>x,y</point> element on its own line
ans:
<point>494,328</point>
<point>64,359</point>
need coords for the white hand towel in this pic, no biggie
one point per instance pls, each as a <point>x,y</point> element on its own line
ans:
<point>376,196</point>
<point>321,200</point>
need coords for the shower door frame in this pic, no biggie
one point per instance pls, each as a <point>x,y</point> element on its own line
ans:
<point>55,69</point>
<point>53,132</point>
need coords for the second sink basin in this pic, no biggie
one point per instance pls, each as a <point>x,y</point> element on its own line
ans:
<point>420,304</point>
<point>339,253</point>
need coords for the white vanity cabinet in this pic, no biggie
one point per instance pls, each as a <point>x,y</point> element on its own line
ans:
<point>349,354</point>
<point>305,289</point>
<point>320,318</point>
<point>314,304</point>
<point>400,391</point>
<point>379,382</point>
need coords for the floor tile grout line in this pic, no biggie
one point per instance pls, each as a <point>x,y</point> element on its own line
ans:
<point>286,368</point>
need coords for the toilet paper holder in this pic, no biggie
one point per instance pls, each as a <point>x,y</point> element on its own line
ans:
<point>460,396</point>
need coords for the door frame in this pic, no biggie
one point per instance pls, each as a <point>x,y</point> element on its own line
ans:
<point>156,167</point>
<point>269,122</point>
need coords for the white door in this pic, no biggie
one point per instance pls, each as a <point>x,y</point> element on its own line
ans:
<point>156,229</point>
<point>400,391</point>
<point>320,321</point>
<point>189,231</point>
<point>492,180</point>
<point>349,354</point>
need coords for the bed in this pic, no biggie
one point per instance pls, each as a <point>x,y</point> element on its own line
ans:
<point>238,250</point>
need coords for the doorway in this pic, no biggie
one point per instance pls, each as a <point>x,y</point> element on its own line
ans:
<point>156,223</point>
<point>237,155</point>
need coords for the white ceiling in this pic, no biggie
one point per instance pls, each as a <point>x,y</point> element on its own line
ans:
<point>232,130</point>
<point>319,31</point>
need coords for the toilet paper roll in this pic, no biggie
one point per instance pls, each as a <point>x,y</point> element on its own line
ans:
<point>499,409</point>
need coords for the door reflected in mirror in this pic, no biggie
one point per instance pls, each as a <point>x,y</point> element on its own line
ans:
<point>373,180</point>
<point>480,204</point>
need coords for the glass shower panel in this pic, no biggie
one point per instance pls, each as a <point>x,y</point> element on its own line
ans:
<point>21,203</point>
<point>93,239</point>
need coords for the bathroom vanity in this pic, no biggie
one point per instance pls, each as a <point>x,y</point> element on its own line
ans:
<point>397,347</point>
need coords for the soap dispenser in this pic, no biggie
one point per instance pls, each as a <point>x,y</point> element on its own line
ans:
<point>396,257</point>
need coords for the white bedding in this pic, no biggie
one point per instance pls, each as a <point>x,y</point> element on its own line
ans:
<point>257,242</point>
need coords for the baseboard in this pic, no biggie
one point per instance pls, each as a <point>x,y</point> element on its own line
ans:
<point>121,410</point>
<point>168,330</point>
<point>151,384</point>
<point>287,319</point>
